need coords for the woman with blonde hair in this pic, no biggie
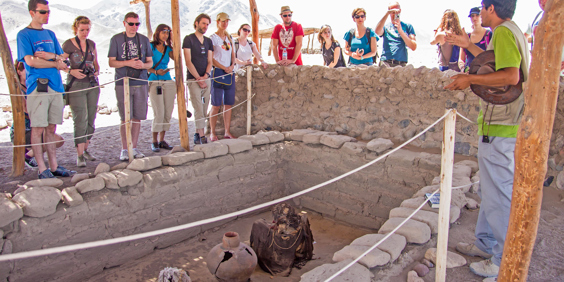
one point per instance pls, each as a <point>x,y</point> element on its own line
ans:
<point>448,54</point>
<point>83,74</point>
<point>330,48</point>
<point>245,48</point>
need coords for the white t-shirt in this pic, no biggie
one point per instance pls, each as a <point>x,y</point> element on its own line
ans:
<point>220,52</point>
<point>244,53</point>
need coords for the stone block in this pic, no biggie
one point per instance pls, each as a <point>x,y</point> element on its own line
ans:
<point>126,177</point>
<point>402,158</point>
<point>79,177</point>
<point>318,206</point>
<point>356,273</point>
<point>413,231</point>
<point>110,180</point>
<point>235,172</point>
<point>453,259</point>
<point>87,185</point>
<point>353,148</point>
<point>461,170</point>
<point>315,137</point>
<point>144,164</point>
<point>297,134</point>
<point>469,163</point>
<point>335,141</point>
<point>431,162</point>
<point>427,217</point>
<point>274,136</point>
<point>71,197</point>
<point>394,245</point>
<point>177,149</point>
<point>412,276</point>
<point>212,150</point>
<point>256,140</point>
<point>212,166</point>
<point>374,258</point>
<point>236,145</point>
<point>38,201</point>
<point>426,189</point>
<point>49,182</point>
<point>380,145</point>
<point>119,166</point>
<point>181,158</point>
<point>9,211</point>
<point>101,168</point>
<point>414,203</point>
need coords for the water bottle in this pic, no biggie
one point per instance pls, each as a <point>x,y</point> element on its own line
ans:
<point>285,54</point>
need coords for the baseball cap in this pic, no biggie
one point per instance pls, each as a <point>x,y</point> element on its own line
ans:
<point>475,11</point>
<point>222,17</point>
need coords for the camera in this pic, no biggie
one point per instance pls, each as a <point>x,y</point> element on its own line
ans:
<point>90,73</point>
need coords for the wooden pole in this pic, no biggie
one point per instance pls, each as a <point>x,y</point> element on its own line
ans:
<point>533,140</point>
<point>260,46</point>
<point>148,18</point>
<point>255,17</point>
<point>447,164</point>
<point>308,41</point>
<point>249,95</point>
<point>18,155</point>
<point>127,106</point>
<point>180,87</point>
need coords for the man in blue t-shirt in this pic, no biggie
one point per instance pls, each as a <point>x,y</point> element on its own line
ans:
<point>40,51</point>
<point>397,36</point>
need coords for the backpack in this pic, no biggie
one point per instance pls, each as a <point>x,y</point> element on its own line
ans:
<point>368,31</point>
<point>236,43</point>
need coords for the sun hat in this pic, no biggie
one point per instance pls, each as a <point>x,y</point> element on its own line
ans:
<point>285,9</point>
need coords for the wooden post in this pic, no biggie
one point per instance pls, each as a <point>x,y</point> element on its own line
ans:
<point>249,102</point>
<point>533,140</point>
<point>447,164</point>
<point>146,3</point>
<point>260,46</point>
<point>178,69</point>
<point>18,155</point>
<point>255,18</point>
<point>127,106</point>
<point>308,41</point>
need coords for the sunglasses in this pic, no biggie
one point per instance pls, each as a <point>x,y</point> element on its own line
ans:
<point>247,30</point>
<point>166,30</point>
<point>133,24</point>
<point>226,45</point>
<point>43,12</point>
<point>288,15</point>
<point>359,17</point>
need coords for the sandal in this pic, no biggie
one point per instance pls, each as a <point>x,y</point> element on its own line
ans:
<point>228,137</point>
<point>213,138</point>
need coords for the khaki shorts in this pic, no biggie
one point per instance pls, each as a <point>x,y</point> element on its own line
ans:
<point>45,108</point>
<point>139,95</point>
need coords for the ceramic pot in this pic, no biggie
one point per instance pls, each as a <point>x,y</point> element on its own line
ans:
<point>231,260</point>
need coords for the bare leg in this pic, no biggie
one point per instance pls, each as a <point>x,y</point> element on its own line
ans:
<point>36,134</point>
<point>135,129</point>
<point>80,149</point>
<point>162,136</point>
<point>213,121</point>
<point>227,120</point>
<point>51,153</point>
<point>155,137</point>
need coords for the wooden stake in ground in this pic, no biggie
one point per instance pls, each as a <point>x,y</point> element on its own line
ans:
<point>533,140</point>
<point>127,106</point>
<point>18,157</point>
<point>255,17</point>
<point>447,163</point>
<point>179,73</point>
<point>249,95</point>
<point>147,4</point>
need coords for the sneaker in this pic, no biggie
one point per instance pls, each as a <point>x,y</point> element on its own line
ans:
<point>80,161</point>
<point>46,174</point>
<point>197,139</point>
<point>137,154</point>
<point>31,162</point>
<point>203,140</point>
<point>471,250</point>
<point>63,172</point>
<point>124,156</point>
<point>88,156</point>
<point>155,147</point>
<point>164,145</point>
<point>485,268</point>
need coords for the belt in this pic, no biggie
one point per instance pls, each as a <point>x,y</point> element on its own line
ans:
<point>395,61</point>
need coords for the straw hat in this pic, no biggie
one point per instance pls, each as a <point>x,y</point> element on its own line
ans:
<point>285,9</point>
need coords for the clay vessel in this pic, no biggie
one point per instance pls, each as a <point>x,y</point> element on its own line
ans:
<point>231,260</point>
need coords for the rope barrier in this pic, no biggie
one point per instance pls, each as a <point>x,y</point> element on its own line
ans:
<point>107,242</point>
<point>460,115</point>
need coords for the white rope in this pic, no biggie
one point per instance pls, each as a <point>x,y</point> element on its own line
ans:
<point>460,115</point>
<point>65,93</point>
<point>390,234</point>
<point>100,243</point>
<point>188,80</point>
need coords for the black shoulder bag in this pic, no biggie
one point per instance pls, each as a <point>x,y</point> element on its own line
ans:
<point>69,84</point>
<point>129,71</point>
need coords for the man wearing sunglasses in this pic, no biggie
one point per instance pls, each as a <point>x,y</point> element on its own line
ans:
<point>131,55</point>
<point>41,53</point>
<point>287,40</point>
<point>397,35</point>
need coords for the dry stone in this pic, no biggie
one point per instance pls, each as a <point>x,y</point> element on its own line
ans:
<point>375,258</point>
<point>9,211</point>
<point>412,276</point>
<point>315,137</point>
<point>414,203</point>
<point>475,186</point>
<point>236,145</point>
<point>394,245</point>
<point>48,182</point>
<point>79,177</point>
<point>212,150</point>
<point>469,163</point>
<point>177,149</point>
<point>425,190</point>
<point>380,145</point>
<point>353,148</point>
<point>274,136</point>
<point>453,259</point>
<point>87,185</point>
<point>71,197</point>
<point>421,269</point>
<point>427,217</point>
<point>120,166</point>
<point>256,140</point>
<point>110,180</point>
<point>335,141</point>
<point>101,168</point>
<point>20,189</point>
<point>181,158</point>
<point>560,180</point>
<point>128,177</point>
<point>38,201</point>
<point>461,169</point>
<point>413,231</point>
<point>144,164</point>
<point>356,273</point>
<point>297,134</point>
<point>472,204</point>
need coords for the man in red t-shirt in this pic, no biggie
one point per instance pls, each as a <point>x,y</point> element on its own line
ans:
<point>287,36</point>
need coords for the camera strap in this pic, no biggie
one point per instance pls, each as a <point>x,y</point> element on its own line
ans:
<point>84,54</point>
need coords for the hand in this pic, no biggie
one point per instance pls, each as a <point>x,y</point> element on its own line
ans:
<point>136,63</point>
<point>264,65</point>
<point>458,40</point>
<point>393,11</point>
<point>249,62</point>
<point>461,82</point>
<point>77,73</point>
<point>202,84</point>
<point>97,73</point>
<point>397,24</point>
<point>229,69</point>
<point>284,62</point>
<point>61,65</point>
<point>161,72</point>
<point>45,55</point>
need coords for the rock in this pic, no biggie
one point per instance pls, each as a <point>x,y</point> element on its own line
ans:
<point>8,247</point>
<point>236,145</point>
<point>297,134</point>
<point>413,231</point>
<point>353,148</point>
<point>335,141</point>
<point>375,258</point>
<point>120,166</point>
<point>20,189</point>
<point>80,176</point>
<point>560,180</point>
<point>427,217</point>
<point>9,211</point>
<point>38,201</point>
<point>380,145</point>
<point>421,269</point>
<point>474,188</point>
<point>413,277</point>
<point>101,168</point>
<point>256,140</point>
<point>469,163</point>
<point>472,204</point>
<point>394,245</point>
<point>71,197</point>
<point>133,191</point>
<point>315,137</point>
<point>425,190</point>
<point>427,263</point>
<point>48,182</point>
<point>453,259</point>
<point>110,180</point>
<point>212,150</point>
<point>177,149</point>
<point>127,177</point>
<point>355,273</point>
<point>460,96</point>
<point>87,185</point>
<point>181,158</point>
<point>414,203</point>
<point>274,136</point>
<point>144,164</point>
